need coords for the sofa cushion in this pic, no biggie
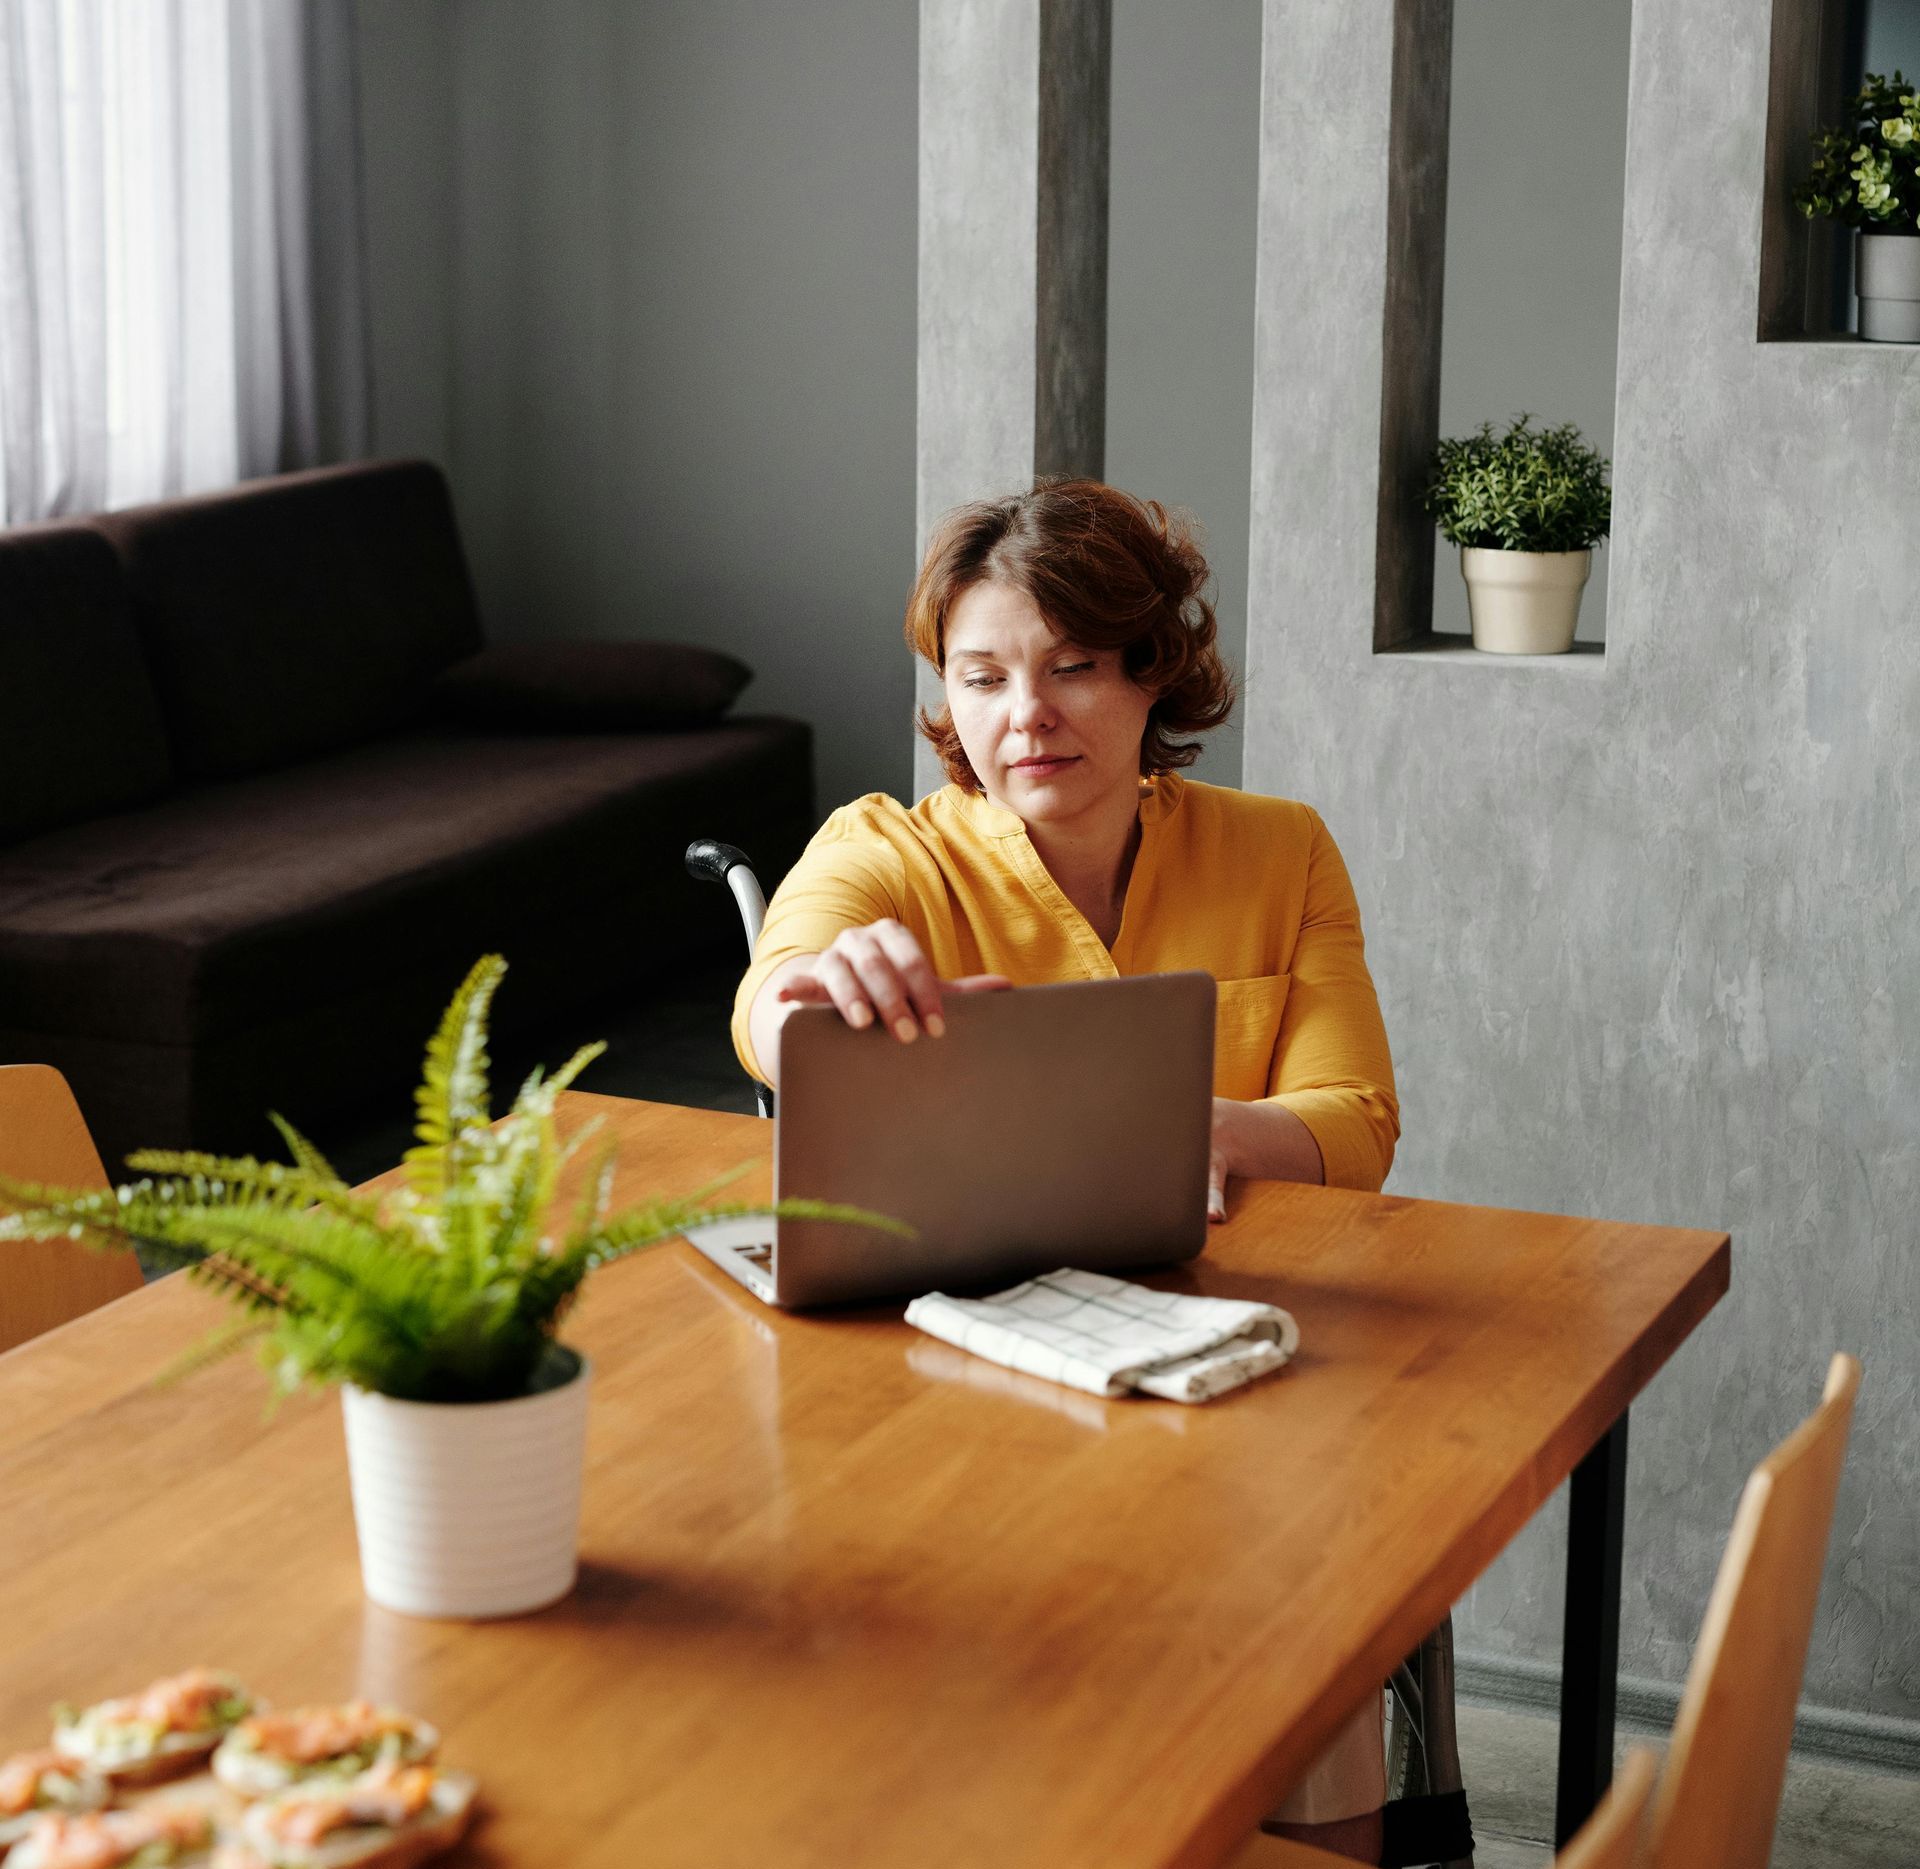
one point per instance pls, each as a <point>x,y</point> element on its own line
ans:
<point>567,687</point>
<point>288,617</point>
<point>82,733</point>
<point>231,906</point>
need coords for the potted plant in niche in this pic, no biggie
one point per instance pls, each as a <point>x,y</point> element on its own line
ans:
<point>1866,175</point>
<point>1526,509</point>
<point>435,1308</point>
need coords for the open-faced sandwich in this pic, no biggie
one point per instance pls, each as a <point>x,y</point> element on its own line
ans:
<point>272,1752</point>
<point>393,1817</point>
<point>34,1784</point>
<point>169,1728</point>
<point>157,1836</point>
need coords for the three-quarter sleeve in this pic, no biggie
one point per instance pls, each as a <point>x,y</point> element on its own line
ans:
<point>1331,1067</point>
<point>843,880</point>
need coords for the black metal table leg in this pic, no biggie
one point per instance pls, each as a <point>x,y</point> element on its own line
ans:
<point>1590,1643</point>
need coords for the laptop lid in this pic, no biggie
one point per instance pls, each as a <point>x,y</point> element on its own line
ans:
<point>1052,1125</point>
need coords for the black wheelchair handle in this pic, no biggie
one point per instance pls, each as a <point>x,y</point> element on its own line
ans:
<point>709,861</point>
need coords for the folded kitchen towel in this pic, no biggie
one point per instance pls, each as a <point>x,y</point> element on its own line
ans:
<point>1105,1335</point>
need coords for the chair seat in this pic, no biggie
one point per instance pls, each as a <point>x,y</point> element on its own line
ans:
<point>195,917</point>
<point>1265,1852</point>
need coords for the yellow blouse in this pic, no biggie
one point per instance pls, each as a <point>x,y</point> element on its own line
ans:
<point>1246,888</point>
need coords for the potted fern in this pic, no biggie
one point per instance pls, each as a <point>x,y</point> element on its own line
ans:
<point>1526,509</point>
<point>1866,175</point>
<point>436,1310</point>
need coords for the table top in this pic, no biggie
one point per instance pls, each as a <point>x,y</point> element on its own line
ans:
<point>849,1595</point>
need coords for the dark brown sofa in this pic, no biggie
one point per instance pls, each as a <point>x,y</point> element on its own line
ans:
<point>264,797</point>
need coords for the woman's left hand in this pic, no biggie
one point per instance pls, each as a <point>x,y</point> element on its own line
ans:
<point>1261,1141</point>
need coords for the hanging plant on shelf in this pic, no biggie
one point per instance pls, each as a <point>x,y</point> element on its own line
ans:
<point>1526,509</point>
<point>1866,176</point>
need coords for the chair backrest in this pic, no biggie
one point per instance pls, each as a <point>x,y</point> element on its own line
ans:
<point>43,1138</point>
<point>1720,1794</point>
<point>1615,1836</point>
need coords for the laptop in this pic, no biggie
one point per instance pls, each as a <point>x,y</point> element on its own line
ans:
<point>1051,1126</point>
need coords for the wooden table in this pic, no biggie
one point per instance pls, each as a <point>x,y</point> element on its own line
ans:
<point>850,1596</point>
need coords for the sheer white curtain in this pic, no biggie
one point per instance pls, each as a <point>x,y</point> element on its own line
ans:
<point>182,278</point>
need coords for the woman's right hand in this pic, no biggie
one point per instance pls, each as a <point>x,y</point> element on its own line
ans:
<point>877,971</point>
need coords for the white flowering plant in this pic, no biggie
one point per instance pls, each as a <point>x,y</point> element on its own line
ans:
<point>449,1288</point>
<point>1866,171</point>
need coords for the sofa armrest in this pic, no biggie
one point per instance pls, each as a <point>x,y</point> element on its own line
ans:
<point>588,687</point>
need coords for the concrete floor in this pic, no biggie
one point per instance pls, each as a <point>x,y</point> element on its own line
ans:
<point>1830,1817</point>
<point>674,1048</point>
<point>670,1047</point>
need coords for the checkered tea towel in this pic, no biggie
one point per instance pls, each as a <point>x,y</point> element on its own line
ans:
<point>1105,1335</point>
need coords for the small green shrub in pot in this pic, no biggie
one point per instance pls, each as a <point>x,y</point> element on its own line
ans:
<point>435,1307</point>
<point>1526,508</point>
<point>1866,175</point>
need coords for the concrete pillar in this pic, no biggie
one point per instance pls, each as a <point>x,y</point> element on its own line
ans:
<point>1352,256</point>
<point>1644,925</point>
<point>1013,255</point>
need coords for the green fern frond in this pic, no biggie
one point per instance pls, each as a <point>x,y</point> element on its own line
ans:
<point>225,1179</point>
<point>527,1169</point>
<point>562,1079</point>
<point>314,1258</point>
<point>304,1154</point>
<point>665,1220</point>
<point>596,1189</point>
<point>218,1344</point>
<point>452,1098</point>
<point>244,1287</point>
<point>35,1212</point>
<point>724,1179</point>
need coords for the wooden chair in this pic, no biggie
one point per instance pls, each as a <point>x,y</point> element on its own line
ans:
<point>1720,1794</point>
<point>1613,1837</point>
<point>43,1138</point>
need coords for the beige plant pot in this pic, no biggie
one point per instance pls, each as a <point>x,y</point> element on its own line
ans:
<point>468,1509</point>
<point>1524,603</point>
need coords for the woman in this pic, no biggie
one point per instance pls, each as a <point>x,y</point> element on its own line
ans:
<point>1076,647</point>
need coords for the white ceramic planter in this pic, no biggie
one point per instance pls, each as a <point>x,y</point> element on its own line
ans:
<point>1886,275</point>
<point>1524,603</point>
<point>468,1508</point>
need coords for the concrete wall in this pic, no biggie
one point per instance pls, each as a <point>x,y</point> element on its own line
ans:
<point>1645,926</point>
<point>407,149</point>
<point>661,261</point>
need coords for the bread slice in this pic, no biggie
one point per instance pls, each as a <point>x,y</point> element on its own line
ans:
<point>174,1755</point>
<point>74,1788</point>
<point>254,1774</point>
<point>367,1846</point>
<point>54,1843</point>
<point>128,1751</point>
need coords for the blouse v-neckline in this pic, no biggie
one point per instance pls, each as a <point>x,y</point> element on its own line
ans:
<point>1158,799</point>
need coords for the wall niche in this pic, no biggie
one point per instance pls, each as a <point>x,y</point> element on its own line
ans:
<point>1819,52</point>
<point>1505,211</point>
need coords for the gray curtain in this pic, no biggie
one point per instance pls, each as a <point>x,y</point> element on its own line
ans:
<point>182,274</point>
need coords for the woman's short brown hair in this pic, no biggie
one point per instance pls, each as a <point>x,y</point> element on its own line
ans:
<point>1106,571</point>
